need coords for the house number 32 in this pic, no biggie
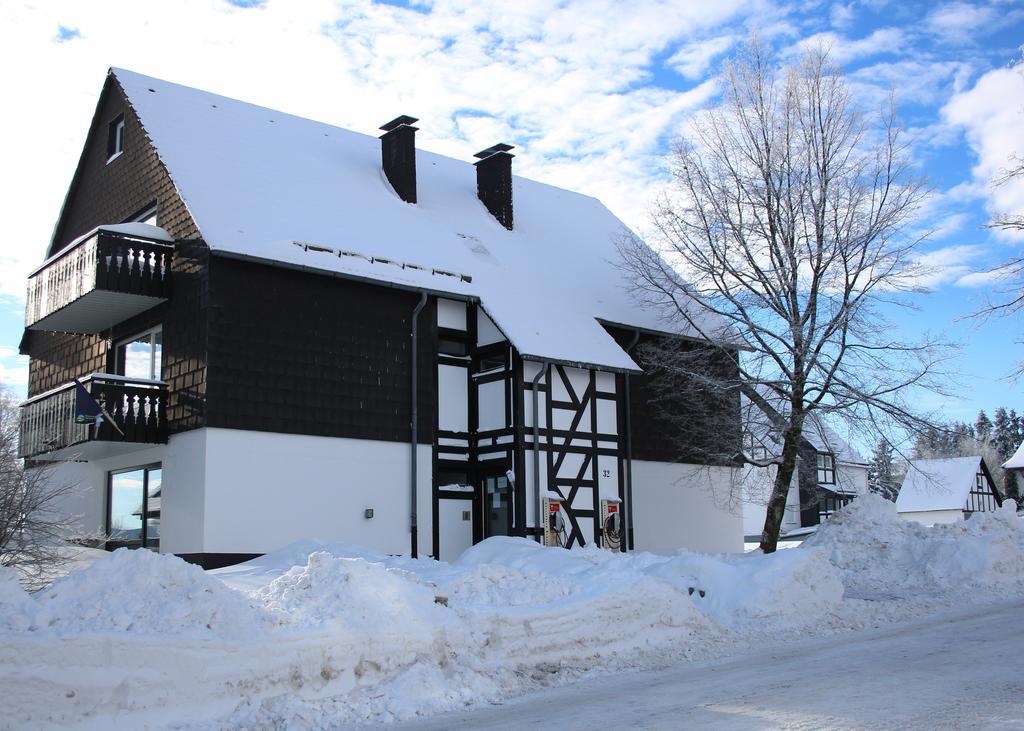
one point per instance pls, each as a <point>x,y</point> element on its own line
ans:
<point>606,473</point>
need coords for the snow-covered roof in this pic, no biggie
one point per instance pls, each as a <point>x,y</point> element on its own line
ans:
<point>1016,462</point>
<point>819,434</point>
<point>257,181</point>
<point>937,484</point>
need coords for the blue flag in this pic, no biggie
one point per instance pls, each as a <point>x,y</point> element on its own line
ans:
<point>86,407</point>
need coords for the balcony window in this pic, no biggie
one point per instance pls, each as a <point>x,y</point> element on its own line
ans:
<point>140,357</point>
<point>133,518</point>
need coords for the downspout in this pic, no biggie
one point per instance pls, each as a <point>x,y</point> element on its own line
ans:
<point>536,452</point>
<point>627,525</point>
<point>415,424</point>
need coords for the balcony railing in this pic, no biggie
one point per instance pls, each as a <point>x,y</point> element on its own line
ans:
<point>136,407</point>
<point>103,279</point>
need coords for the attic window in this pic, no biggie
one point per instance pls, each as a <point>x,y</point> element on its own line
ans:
<point>115,138</point>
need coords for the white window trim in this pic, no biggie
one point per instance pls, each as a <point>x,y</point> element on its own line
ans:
<point>118,139</point>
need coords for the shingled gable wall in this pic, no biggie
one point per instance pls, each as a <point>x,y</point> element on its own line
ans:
<point>703,425</point>
<point>103,193</point>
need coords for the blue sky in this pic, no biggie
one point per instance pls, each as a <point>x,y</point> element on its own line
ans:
<point>591,93</point>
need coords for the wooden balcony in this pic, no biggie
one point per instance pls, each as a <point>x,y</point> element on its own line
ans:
<point>102,279</point>
<point>137,407</point>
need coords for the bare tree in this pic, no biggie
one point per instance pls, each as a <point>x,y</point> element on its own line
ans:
<point>789,218</point>
<point>33,529</point>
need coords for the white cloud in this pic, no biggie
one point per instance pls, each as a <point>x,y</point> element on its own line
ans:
<point>916,81</point>
<point>13,371</point>
<point>958,20</point>
<point>948,264</point>
<point>985,278</point>
<point>841,15</point>
<point>991,113</point>
<point>842,50</point>
<point>693,60</point>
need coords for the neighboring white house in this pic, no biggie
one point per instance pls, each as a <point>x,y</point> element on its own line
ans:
<point>839,474</point>
<point>1016,462</point>
<point>947,490</point>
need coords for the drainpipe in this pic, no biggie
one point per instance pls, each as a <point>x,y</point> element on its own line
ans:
<point>627,525</point>
<point>536,452</point>
<point>415,424</point>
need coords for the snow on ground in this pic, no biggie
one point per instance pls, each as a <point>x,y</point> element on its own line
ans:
<point>316,635</point>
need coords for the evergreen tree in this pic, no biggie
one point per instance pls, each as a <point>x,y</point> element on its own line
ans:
<point>881,473</point>
<point>1002,434</point>
<point>982,427</point>
<point>1016,429</point>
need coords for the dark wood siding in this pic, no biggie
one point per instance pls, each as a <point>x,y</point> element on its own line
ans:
<point>111,193</point>
<point>305,353</point>
<point>695,426</point>
<point>103,192</point>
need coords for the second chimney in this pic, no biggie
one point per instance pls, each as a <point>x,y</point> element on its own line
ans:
<point>398,156</point>
<point>494,182</point>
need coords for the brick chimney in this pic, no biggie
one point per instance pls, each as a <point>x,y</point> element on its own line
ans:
<point>494,182</point>
<point>398,156</point>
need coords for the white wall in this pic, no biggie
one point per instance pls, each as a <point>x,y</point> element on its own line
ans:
<point>182,494</point>
<point>265,490</point>
<point>685,506</point>
<point>932,517</point>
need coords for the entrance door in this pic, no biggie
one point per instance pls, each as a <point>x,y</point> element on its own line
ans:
<point>497,504</point>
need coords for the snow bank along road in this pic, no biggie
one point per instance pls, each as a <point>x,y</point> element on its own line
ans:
<point>317,636</point>
<point>959,669</point>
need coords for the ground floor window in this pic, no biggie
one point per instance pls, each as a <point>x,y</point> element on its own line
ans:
<point>133,507</point>
<point>829,502</point>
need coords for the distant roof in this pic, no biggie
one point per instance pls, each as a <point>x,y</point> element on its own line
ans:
<point>820,435</point>
<point>264,184</point>
<point>1016,462</point>
<point>937,484</point>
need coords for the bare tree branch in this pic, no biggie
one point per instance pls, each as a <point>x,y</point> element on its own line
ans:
<point>789,217</point>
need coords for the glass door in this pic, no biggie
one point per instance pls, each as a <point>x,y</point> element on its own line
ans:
<point>497,499</point>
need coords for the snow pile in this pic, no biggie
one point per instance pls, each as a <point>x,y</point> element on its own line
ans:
<point>353,595</point>
<point>878,554</point>
<point>145,593</point>
<point>15,604</point>
<point>496,585</point>
<point>785,590</point>
<point>320,635</point>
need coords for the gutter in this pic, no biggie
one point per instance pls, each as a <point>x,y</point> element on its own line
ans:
<point>414,419</point>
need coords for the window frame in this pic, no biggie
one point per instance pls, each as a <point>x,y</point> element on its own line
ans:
<point>119,365</point>
<point>144,215</point>
<point>143,540</point>
<point>826,467</point>
<point>115,138</point>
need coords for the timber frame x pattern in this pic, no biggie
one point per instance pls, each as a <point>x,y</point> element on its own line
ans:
<point>579,456</point>
<point>484,430</point>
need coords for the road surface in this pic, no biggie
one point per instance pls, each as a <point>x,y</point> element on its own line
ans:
<point>961,669</point>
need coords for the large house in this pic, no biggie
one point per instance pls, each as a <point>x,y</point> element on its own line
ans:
<point>299,331</point>
<point>947,490</point>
